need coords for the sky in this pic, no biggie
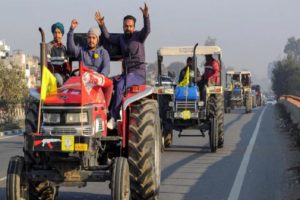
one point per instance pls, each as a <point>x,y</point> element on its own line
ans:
<point>251,33</point>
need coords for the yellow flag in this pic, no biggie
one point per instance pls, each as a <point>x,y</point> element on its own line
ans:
<point>186,79</point>
<point>48,84</point>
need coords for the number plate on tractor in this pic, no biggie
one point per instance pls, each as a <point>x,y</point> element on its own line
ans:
<point>67,143</point>
<point>81,147</point>
<point>186,114</point>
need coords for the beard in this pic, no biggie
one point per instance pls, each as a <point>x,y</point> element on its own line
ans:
<point>127,35</point>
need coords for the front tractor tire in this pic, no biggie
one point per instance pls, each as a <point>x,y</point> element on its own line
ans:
<point>248,102</point>
<point>120,180</point>
<point>216,110</point>
<point>15,185</point>
<point>144,148</point>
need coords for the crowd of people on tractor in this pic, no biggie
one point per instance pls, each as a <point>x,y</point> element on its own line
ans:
<point>97,58</point>
<point>211,75</point>
<point>131,42</point>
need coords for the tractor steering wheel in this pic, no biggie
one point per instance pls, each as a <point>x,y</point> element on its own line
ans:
<point>75,73</point>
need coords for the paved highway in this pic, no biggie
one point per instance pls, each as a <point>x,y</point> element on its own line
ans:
<point>252,164</point>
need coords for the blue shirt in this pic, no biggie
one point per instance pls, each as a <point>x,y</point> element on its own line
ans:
<point>97,59</point>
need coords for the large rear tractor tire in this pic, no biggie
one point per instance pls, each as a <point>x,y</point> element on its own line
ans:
<point>120,180</point>
<point>213,135</point>
<point>168,139</point>
<point>216,110</point>
<point>15,184</point>
<point>144,150</point>
<point>31,118</point>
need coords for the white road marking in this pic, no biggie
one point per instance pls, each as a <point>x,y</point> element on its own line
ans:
<point>3,179</point>
<point>3,138</point>
<point>239,179</point>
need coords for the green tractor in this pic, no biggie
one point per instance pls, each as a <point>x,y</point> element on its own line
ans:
<point>238,90</point>
<point>187,107</point>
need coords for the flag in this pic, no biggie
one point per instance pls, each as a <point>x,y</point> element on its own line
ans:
<point>186,79</point>
<point>48,84</point>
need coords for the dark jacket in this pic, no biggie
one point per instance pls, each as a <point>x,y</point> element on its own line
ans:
<point>131,47</point>
<point>55,50</point>
<point>183,72</point>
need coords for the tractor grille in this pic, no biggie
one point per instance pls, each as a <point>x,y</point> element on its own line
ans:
<point>87,130</point>
<point>187,105</point>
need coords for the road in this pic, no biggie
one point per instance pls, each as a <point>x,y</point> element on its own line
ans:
<point>241,170</point>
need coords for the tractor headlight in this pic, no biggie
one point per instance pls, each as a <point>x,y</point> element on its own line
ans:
<point>72,118</point>
<point>51,118</point>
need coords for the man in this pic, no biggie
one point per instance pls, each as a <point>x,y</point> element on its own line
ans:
<point>212,71</point>
<point>189,63</point>
<point>211,75</point>
<point>131,43</point>
<point>56,49</point>
<point>92,56</point>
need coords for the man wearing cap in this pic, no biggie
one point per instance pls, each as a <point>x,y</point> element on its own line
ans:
<point>56,47</point>
<point>189,63</point>
<point>132,46</point>
<point>93,56</point>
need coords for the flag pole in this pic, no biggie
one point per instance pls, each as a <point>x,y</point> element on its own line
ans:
<point>81,98</point>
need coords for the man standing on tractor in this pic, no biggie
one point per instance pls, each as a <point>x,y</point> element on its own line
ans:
<point>56,48</point>
<point>93,56</point>
<point>132,46</point>
<point>182,74</point>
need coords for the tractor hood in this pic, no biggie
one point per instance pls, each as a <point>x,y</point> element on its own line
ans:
<point>71,93</point>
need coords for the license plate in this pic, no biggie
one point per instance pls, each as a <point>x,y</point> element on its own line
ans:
<point>67,143</point>
<point>81,147</point>
<point>186,114</point>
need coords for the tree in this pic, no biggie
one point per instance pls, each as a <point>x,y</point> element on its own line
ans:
<point>13,90</point>
<point>210,41</point>
<point>286,76</point>
<point>293,47</point>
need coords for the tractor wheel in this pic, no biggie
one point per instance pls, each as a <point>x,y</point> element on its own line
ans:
<point>168,139</point>
<point>144,148</point>
<point>31,118</point>
<point>15,185</point>
<point>248,102</point>
<point>213,135</point>
<point>120,180</point>
<point>216,110</point>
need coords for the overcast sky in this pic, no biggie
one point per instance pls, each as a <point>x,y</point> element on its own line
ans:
<point>251,33</point>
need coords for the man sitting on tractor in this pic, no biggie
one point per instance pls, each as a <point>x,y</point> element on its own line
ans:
<point>93,56</point>
<point>211,75</point>
<point>189,63</point>
<point>56,49</point>
<point>132,46</point>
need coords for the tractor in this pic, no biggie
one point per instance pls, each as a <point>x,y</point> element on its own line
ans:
<point>186,107</point>
<point>258,95</point>
<point>67,143</point>
<point>238,91</point>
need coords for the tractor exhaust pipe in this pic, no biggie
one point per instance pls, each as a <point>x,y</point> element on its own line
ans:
<point>195,63</point>
<point>43,61</point>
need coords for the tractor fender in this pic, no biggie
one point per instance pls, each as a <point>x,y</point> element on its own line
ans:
<point>146,92</point>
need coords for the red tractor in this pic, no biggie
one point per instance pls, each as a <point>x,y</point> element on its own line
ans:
<point>73,145</point>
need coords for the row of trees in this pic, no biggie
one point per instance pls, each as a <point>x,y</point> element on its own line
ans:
<point>286,72</point>
<point>13,91</point>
